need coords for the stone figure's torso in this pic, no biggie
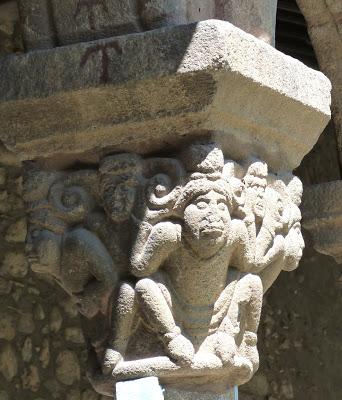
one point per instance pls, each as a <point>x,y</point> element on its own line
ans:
<point>196,281</point>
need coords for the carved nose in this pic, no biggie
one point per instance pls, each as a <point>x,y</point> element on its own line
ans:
<point>213,217</point>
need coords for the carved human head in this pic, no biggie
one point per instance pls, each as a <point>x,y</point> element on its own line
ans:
<point>207,220</point>
<point>255,183</point>
<point>205,202</point>
<point>43,248</point>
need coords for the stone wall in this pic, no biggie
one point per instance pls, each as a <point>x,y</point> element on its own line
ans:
<point>42,351</point>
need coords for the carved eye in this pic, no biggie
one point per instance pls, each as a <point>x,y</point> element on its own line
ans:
<point>201,205</point>
<point>222,206</point>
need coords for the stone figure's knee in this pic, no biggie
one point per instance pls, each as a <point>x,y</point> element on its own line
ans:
<point>127,290</point>
<point>146,285</point>
<point>251,282</point>
<point>126,298</point>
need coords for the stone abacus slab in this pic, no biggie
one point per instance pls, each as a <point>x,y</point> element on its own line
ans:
<point>150,90</point>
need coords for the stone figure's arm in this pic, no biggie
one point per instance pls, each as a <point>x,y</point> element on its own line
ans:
<point>244,237</point>
<point>270,274</point>
<point>83,248</point>
<point>252,253</point>
<point>269,248</point>
<point>153,246</point>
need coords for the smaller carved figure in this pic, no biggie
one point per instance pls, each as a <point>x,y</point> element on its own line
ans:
<point>173,255</point>
<point>293,242</point>
<point>79,263</point>
<point>73,256</point>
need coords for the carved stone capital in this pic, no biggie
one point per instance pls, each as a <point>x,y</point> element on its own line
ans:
<point>170,255</point>
<point>161,197</point>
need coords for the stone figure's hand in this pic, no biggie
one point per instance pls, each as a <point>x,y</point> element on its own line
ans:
<point>153,246</point>
<point>248,353</point>
<point>167,232</point>
<point>110,360</point>
<point>276,252</point>
<point>279,245</point>
<point>86,306</point>
<point>225,347</point>
<point>179,347</point>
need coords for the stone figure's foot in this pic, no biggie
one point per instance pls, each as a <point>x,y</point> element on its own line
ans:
<point>110,360</point>
<point>243,370</point>
<point>249,350</point>
<point>179,347</point>
<point>225,348</point>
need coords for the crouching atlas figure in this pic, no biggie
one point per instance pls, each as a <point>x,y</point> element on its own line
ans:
<point>176,254</point>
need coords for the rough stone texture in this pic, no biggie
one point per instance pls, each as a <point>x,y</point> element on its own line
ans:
<point>205,237</point>
<point>67,367</point>
<point>52,23</point>
<point>10,33</point>
<point>325,28</point>
<point>8,362</point>
<point>59,23</point>
<point>301,359</point>
<point>299,334</point>
<point>257,17</point>
<point>205,77</point>
<point>28,346</point>
<point>323,217</point>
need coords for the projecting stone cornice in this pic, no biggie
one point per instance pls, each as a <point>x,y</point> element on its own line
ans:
<point>144,91</point>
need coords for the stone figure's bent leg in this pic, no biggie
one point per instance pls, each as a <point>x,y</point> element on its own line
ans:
<point>221,340</point>
<point>123,317</point>
<point>245,310</point>
<point>153,301</point>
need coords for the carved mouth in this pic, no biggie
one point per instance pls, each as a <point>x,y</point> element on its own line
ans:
<point>212,231</point>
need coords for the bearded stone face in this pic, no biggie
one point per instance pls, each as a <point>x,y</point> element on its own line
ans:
<point>43,250</point>
<point>206,223</point>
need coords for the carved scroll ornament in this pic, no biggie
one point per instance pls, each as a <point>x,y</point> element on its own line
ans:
<point>167,260</point>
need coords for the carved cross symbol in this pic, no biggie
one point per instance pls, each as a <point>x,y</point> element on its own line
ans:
<point>89,5</point>
<point>103,50</point>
